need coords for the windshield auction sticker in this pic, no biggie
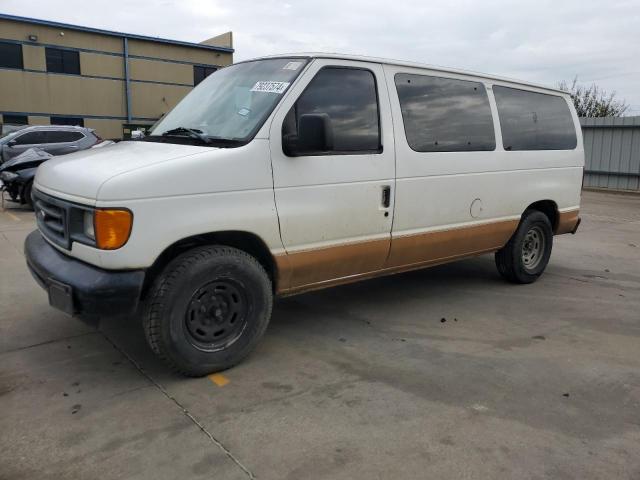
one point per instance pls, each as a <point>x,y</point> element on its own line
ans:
<point>270,87</point>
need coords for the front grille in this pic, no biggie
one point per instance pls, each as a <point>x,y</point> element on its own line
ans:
<point>52,216</point>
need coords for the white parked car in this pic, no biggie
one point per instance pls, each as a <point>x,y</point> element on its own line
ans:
<point>284,174</point>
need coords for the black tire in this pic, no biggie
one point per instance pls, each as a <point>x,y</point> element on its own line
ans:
<point>26,194</point>
<point>196,297</point>
<point>516,261</point>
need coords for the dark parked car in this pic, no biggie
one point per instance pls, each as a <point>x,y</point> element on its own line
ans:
<point>16,175</point>
<point>55,139</point>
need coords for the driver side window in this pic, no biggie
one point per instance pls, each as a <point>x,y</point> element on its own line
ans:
<point>337,114</point>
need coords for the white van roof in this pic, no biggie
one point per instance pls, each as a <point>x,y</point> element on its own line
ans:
<point>403,63</point>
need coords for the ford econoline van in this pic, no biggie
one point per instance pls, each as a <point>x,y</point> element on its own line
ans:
<point>291,173</point>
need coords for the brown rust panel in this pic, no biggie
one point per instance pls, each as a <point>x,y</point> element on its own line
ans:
<point>315,266</point>
<point>567,221</point>
<point>456,242</point>
<point>311,269</point>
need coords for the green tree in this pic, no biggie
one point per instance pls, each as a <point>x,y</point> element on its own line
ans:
<point>592,101</point>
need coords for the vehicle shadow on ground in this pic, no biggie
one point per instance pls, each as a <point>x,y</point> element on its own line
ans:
<point>335,305</point>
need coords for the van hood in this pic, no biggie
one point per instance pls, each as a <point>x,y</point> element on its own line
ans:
<point>81,174</point>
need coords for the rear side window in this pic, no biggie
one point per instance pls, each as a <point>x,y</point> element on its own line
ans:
<point>348,98</point>
<point>445,114</point>
<point>30,138</point>
<point>534,121</point>
<point>61,136</point>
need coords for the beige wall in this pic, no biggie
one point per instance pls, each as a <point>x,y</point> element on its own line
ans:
<point>160,71</point>
<point>33,57</point>
<point>105,129</point>
<point>35,120</point>
<point>101,65</point>
<point>176,52</point>
<point>62,94</point>
<point>54,94</point>
<point>49,35</point>
<point>151,101</point>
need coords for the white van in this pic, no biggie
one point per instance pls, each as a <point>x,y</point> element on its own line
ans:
<point>290,173</point>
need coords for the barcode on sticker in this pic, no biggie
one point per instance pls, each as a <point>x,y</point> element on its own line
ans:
<point>270,87</point>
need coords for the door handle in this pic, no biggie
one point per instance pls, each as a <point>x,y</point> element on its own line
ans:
<point>386,196</point>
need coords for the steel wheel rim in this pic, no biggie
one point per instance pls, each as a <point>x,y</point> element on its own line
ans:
<point>216,315</point>
<point>533,248</point>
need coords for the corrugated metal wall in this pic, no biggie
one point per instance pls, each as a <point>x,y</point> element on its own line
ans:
<point>612,152</point>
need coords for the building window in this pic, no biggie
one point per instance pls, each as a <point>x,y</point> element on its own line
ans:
<point>201,72</point>
<point>10,55</point>
<point>15,119</point>
<point>347,98</point>
<point>74,121</point>
<point>445,114</point>
<point>534,121</point>
<point>62,61</point>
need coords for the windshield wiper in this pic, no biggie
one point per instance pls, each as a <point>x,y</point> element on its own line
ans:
<point>190,132</point>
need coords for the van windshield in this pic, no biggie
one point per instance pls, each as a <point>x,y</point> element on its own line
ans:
<point>231,104</point>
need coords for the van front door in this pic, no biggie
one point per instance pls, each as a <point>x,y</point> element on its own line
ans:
<point>334,174</point>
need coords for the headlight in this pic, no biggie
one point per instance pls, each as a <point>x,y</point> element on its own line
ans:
<point>88,228</point>
<point>8,176</point>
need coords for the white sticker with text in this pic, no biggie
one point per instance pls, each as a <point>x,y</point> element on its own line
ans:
<point>267,86</point>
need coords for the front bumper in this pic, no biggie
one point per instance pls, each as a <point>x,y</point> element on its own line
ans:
<point>78,288</point>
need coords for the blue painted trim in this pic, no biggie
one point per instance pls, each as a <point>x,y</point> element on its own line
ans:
<point>99,77</point>
<point>127,78</point>
<point>103,52</point>
<point>111,33</point>
<point>95,117</point>
<point>181,62</point>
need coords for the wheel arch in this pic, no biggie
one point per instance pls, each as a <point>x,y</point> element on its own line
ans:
<point>242,240</point>
<point>550,209</point>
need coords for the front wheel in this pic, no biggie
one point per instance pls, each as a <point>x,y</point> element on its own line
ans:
<point>527,253</point>
<point>208,309</point>
<point>26,194</point>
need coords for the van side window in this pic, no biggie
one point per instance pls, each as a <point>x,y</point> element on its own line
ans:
<point>534,121</point>
<point>336,114</point>
<point>445,114</point>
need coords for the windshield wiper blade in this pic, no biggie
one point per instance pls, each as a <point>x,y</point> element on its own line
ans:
<point>190,132</point>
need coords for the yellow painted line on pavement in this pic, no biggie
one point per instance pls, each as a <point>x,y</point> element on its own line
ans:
<point>12,216</point>
<point>219,379</point>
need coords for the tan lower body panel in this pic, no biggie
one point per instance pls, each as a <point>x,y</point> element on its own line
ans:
<point>313,269</point>
<point>567,221</point>
<point>434,246</point>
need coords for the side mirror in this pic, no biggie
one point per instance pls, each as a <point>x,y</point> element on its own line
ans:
<point>11,143</point>
<point>314,135</point>
<point>137,135</point>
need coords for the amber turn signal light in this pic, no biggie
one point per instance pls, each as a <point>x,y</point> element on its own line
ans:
<point>112,227</point>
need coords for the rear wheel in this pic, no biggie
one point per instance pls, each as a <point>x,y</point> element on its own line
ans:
<point>208,309</point>
<point>526,255</point>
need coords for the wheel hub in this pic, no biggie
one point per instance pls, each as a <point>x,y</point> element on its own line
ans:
<point>216,314</point>
<point>533,248</point>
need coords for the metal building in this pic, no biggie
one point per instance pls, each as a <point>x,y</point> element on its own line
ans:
<point>54,73</point>
<point>612,152</point>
